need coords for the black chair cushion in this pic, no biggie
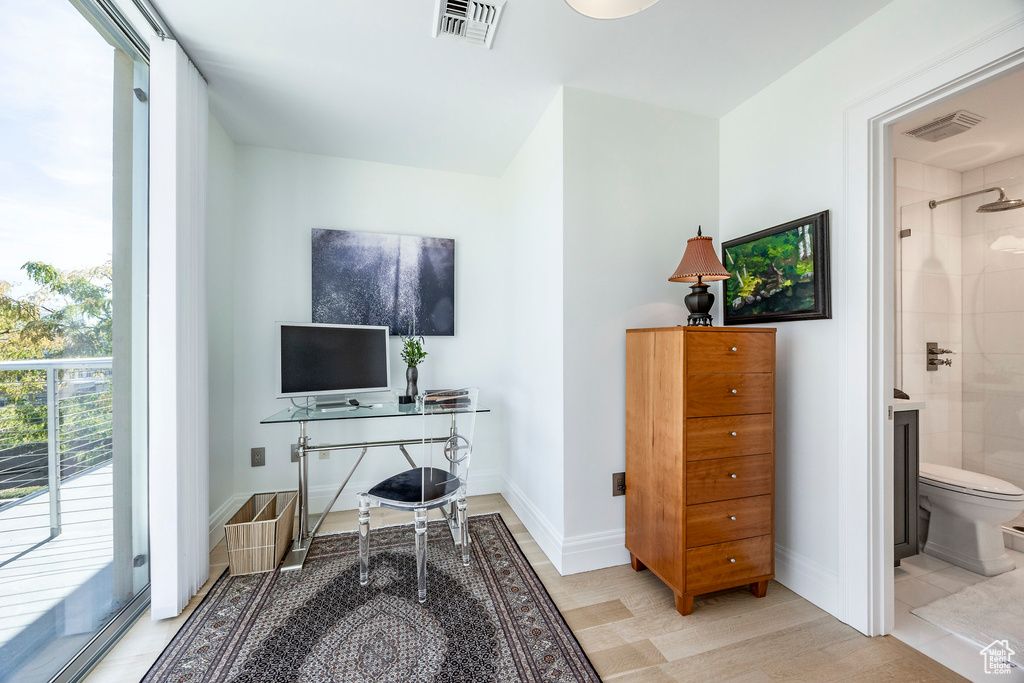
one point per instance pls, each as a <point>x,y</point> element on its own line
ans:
<point>423,484</point>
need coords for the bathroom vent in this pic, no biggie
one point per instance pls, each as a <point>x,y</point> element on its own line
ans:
<point>470,21</point>
<point>946,126</point>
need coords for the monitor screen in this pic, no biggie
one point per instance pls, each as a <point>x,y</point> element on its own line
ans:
<point>332,359</point>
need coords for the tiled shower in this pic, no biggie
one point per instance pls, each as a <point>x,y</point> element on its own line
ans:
<point>960,284</point>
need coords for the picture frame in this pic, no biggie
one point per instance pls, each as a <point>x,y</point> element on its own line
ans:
<point>404,282</point>
<point>779,274</point>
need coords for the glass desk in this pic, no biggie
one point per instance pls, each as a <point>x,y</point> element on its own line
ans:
<point>303,416</point>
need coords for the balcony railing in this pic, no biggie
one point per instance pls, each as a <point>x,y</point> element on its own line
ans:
<point>56,421</point>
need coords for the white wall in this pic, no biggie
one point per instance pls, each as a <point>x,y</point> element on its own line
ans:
<point>929,304</point>
<point>783,156</point>
<point>638,181</point>
<point>532,211</point>
<point>554,261</point>
<point>280,197</point>
<point>220,216</point>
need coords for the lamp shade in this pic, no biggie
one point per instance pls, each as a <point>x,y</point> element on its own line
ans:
<point>700,262</point>
<point>609,9</point>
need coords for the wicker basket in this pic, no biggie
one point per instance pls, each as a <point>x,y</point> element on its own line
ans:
<point>259,533</point>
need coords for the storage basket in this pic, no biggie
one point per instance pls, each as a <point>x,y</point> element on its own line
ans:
<point>258,534</point>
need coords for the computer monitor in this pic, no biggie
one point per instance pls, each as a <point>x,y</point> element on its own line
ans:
<point>323,360</point>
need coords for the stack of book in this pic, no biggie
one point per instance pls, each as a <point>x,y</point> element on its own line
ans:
<point>437,401</point>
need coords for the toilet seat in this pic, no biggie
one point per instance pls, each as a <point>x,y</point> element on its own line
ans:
<point>969,483</point>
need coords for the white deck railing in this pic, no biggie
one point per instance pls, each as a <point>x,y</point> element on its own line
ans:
<point>66,403</point>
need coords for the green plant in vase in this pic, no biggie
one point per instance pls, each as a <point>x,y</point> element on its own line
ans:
<point>413,354</point>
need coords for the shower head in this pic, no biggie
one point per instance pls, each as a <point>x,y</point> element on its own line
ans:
<point>1001,204</point>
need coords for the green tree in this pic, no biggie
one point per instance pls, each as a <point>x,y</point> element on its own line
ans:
<point>68,315</point>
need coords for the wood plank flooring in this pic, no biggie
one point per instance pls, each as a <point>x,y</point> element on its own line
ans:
<point>627,623</point>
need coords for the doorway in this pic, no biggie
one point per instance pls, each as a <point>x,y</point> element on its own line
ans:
<point>959,355</point>
<point>866,512</point>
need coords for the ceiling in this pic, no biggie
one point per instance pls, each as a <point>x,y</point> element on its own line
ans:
<point>1000,136</point>
<point>366,80</point>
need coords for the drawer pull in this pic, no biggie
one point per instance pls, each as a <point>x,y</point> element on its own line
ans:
<point>732,476</point>
<point>732,559</point>
<point>733,348</point>
<point>732,433</point>
<point>733,391</point>
<point>732,518</point>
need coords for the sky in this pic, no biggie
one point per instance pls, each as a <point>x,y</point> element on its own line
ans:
<point>56,112</point>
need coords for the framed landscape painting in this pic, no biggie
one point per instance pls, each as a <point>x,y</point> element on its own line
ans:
<point>779,274</point>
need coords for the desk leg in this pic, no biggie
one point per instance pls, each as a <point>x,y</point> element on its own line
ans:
<point>295,558</point>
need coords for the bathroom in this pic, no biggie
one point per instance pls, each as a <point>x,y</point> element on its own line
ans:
<point>959,326</point>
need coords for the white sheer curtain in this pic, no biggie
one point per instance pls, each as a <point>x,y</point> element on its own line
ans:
<point>179,429</point>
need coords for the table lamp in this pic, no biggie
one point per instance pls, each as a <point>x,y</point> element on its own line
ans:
<point>699,263</point>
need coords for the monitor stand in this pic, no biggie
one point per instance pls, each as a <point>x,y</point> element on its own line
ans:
<point>333,402</point>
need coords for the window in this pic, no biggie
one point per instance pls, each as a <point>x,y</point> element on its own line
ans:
<point>73,251</point>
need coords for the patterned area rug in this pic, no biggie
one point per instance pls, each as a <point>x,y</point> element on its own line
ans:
<point>491,621</point>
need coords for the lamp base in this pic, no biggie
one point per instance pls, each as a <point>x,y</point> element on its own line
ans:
<point>699,302</point>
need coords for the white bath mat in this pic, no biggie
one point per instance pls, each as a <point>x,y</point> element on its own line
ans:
<point>985,612</point>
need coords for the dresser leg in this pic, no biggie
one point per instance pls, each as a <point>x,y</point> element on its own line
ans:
<point>759,588</point>
<point>635,562</point>
<point>684,604</point>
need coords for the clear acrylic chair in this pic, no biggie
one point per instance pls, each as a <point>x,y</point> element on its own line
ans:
<point>439,482</point>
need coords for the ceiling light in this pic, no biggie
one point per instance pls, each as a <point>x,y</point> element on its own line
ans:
<point>609,9</point>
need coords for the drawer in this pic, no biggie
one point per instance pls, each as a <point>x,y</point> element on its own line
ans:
<point>728,563</point>
<point>728,520</point>
<point>730,352</point>
<point>711,395</point>
<point>727,478</point>
<point>726,437</point>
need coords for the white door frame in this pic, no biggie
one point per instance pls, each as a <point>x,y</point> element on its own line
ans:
<point>866,498</point>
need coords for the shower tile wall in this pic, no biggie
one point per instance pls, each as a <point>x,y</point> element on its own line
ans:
<point>993,326</point>
<point>929,303</point>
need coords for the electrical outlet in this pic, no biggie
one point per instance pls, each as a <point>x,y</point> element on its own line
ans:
<point>324,455</point>
<point>619,484</point>
<point>259,456</point>
<point>295,452</point>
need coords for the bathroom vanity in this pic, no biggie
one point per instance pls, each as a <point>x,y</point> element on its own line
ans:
<point>905,454</point>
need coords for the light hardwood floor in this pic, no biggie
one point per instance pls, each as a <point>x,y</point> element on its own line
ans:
<point>627,623</point>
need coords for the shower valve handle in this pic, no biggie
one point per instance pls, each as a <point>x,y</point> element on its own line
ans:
<point>940,361</point>
<point>938,352</point>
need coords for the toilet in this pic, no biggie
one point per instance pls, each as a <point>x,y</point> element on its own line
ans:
<point>965,513</point>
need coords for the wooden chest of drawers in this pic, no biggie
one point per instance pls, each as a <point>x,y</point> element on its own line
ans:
<point>700,457</point>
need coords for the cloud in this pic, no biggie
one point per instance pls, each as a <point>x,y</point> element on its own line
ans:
<point>56,119</point>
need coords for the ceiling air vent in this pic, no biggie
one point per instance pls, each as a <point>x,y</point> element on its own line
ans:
<point>946,126</point>
<point>468,20</point>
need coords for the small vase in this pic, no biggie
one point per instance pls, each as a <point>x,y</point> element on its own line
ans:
<point>412,374</point>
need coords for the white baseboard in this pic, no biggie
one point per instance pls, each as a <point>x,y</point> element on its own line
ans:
<point>481,483</point>
<point>221,516</point>
<point>547,537</point>
<point>807,578</point>
<point>573,554</point>
<point>588,552</point>
<point>569,555</point>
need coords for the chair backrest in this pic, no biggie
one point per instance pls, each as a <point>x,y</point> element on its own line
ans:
<point>449,418</point>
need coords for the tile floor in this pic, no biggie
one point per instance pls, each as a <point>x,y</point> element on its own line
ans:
<point>922,579</point>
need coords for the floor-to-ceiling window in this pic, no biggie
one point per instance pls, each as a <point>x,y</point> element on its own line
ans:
<point>74,542</point>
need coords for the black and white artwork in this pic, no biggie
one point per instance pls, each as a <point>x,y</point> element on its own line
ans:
<point>365,278</point>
